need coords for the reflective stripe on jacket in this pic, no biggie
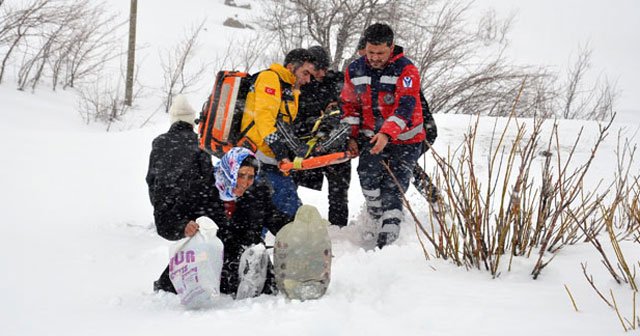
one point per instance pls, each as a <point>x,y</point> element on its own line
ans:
<point>384,100</point>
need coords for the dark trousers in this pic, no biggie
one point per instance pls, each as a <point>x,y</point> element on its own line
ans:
<point>339,177</point>
<point>285,195</point>
<point>382,195</point>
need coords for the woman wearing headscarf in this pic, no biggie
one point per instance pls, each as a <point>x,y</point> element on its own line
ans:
<point>242,207</point>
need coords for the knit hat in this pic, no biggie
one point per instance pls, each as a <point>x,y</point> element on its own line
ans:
<point>181,110</point>
<point>321,57</point>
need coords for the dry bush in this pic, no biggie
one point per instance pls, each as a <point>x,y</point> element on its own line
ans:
<point>103,100</point>
<point>486,218</point>
<point>628,323</point>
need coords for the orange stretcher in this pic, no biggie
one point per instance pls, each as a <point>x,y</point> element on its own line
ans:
<point>315,161</point>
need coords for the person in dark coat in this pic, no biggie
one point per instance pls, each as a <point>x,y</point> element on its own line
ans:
<point>180,180</point>
<point>319,96</point>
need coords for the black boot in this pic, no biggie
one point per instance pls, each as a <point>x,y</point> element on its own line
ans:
<point>164,283</point>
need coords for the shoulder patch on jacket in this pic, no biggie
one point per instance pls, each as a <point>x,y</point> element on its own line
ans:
<point>407,82</point>
<point>270,91</point>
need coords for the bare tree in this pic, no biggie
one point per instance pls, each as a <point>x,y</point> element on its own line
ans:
<point>175,63</point>
<point>93,42</point>
<point>333,24</point>
<point>462,64</point>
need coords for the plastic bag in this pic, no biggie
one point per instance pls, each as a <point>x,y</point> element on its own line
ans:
<point>196,264</point>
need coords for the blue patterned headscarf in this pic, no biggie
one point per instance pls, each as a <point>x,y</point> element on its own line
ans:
<point>226,171</point>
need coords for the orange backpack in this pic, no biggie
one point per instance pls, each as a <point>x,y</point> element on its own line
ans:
<point>221,116</point>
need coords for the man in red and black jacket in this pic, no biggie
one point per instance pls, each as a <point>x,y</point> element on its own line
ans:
<point>381,102</point>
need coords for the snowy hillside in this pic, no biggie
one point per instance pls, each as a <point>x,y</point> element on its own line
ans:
<point>80,252</point>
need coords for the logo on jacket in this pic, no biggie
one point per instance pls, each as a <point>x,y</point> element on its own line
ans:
<point>407,82</point>
<point>388,98</point>
<point>270,91</point>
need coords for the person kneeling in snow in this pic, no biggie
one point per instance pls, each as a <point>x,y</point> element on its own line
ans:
<point>241,208</point>
<point>180,180</point>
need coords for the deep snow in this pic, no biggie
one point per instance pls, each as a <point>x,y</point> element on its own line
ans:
<point>80,252</point>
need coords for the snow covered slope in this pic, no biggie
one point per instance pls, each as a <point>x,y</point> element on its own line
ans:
<point>80,253</point>
<point>79,250</point>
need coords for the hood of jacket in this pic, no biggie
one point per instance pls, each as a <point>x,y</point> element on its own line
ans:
<point>284,73</point>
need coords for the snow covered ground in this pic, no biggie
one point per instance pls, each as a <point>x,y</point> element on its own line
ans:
<point>80,253</point>
<point>79,249</point>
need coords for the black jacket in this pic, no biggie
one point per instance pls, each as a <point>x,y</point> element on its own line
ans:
<point>180,180</point>
<point>253,211</point>
<point>314,98</point>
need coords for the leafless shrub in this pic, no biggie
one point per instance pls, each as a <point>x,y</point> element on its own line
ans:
<point>594,103</point>
<point>66,40</point>
<point>486,218</point>
<point>618,217</point>
<point>175,62</point>
<point>102,100</point>
<point>17,24</point>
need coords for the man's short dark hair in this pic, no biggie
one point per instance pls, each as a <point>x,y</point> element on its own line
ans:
<point>362,43</point>
<point>379,33</point>
<point>297,57</point>
<point>322,61</point>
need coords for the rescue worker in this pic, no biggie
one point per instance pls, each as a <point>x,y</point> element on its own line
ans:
<point>271,107</point>
<point>319,102</point>
<point>381,102</point>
